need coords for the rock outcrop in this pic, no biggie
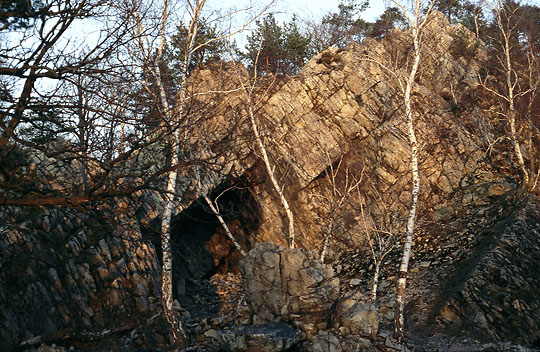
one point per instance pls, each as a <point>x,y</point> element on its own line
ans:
<point>293,286</point>
<point>494,293</point>
<point>64,270</point>
<point>337,124</point>
<point>289,285</point>
<point>345,117</point>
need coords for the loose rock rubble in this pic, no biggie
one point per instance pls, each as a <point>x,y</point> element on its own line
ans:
<point>269,337</point>
<point>499,298</point>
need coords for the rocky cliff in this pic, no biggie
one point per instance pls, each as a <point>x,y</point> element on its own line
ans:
<point>337,141</point>
<point>345,109</point>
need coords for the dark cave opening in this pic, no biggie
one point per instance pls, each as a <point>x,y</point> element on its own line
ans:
<point>201,247</point>
<point>200,244</point>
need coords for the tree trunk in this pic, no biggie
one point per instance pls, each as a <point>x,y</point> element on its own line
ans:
<point>277,188</point>
<point>407,247</point>
<point>511,115</point>
<point>375,285</point>
<point>177,330</point>
<point>329,231</point>
<point>223,224</point>
<point>512,118</point>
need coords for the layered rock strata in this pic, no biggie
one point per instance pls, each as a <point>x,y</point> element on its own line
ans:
<point>63,270</point>
<point>494,293</point>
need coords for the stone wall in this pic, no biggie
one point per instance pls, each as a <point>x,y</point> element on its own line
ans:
<point>63,269</point>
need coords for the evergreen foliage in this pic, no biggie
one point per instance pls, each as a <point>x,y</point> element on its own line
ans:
<point>345,26</point>
<point>211,47</point>
<point>389,19</point>
<point>276,49</point>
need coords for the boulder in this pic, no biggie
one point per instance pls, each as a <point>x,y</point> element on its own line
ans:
<point>290,285</point>
<point>268,337</point>
<point>324,342</point>
<point>355,317</point>
<point>361,319</point>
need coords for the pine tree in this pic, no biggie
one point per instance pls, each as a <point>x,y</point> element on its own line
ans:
<point>345,25</point>
<point>264,50</point>
<point>296,46</point>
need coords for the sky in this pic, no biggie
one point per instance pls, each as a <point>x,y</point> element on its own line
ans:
<point>317,8</point>
<point>283,10</point>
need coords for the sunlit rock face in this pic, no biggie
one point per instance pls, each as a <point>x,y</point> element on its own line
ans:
<point>339,122</point>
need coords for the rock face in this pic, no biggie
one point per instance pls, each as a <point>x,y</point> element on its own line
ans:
<point>64,269</point>
<point>289,285</point>
<point>338,123</point>
<point>345,116</point>
<point>496,290</point>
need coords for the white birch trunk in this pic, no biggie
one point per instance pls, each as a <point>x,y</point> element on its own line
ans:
<point>407,247</point>
<point>215,210</point>
<point>275,184</point>
<point>511,106</point>
<point>223,223</point>
<point>375,284</point>
<point>177,330</point>
<point>327,239</point>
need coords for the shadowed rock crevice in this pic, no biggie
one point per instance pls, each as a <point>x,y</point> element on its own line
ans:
<point>201,247</point>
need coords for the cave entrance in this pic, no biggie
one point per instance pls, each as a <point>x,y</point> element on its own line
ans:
<point>202,249</point>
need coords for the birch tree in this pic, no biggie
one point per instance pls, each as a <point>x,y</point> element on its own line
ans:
<point>150,63</point>
<point>270,169</point>
<point>177,330</point>
<point>513,79</point>
<point>342,183</point>
<point>379,234</point>
<point>150,50</point>
<point>214,208</point>
<point>416,18</point>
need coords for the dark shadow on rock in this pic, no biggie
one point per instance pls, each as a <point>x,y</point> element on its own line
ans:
<point>201,247</point>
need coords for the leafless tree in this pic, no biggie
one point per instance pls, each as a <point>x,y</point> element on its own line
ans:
<point>148,47</point>
<point>249,88</point>
<point>66,104</point>
<point>517,84</point>
<point>378,229</point>
<point>416,17</point>
<point>149,28</point>
<point>342,183</point>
